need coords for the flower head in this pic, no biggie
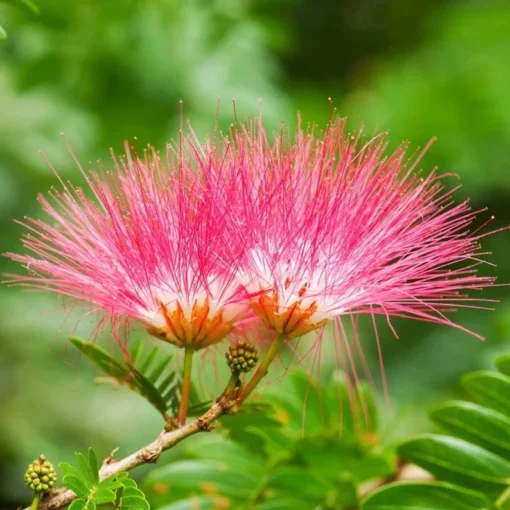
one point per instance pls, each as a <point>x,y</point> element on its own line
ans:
<point>296,231</point>
<point>40,475</point>
<point>334,227</point>
<point>148,244</point>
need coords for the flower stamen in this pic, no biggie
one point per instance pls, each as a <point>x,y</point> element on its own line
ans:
<point>293,321</point>
<point>197,330</point>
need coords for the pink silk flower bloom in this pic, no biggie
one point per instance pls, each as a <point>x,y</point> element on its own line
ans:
<point>149,245</point>
<point>335,228</point>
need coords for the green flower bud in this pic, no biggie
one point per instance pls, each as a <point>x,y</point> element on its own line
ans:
<point>40,476</point>
<point>242,356</point>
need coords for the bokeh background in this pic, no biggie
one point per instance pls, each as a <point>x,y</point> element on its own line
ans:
<point>106,71</point>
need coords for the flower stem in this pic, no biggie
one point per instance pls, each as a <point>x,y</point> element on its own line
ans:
<point>35,500</point>
<point>186,385</point>
<point>233,384</point>
<point>261,371</point>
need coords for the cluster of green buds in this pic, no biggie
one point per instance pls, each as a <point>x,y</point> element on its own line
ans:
<point>40,475</point>
<point>242,356</point>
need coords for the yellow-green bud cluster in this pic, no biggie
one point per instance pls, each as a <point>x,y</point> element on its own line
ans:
<point>40,475</point>
<point>242,356</point>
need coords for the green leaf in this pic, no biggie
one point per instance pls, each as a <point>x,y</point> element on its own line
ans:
<point>489,389</point>
<point>338,407</point>
<point>333,457</point>
<point>149,360</point>
<point>253,429</point>
<point>77,485</point>
<point>112,483</point>
<point>103,495</point>
<point>68,469</point>
<point>106,490</point>
<point>217,448</point>
<point>202,477</point>
<point>503,364</point>
<point>102,359</point>
<point>424,496</point>
<point>128,482</point>
<point>284,503</point>
<point>84,481</point>
<point>476,424</point>
<point>124,374</point>
<point>81,504</point>
<point>87,471</point>
<point>455,460</point>
<point>346,491</point>
<point>169,387</point>
<point>94,465</point>
<point>300,483</point>
<point>163,364</point>
<point>352,407</point>
<point>198,409</point>
<point>131,497</point>
<point>200,502</point>
<point>31,5</point>
<point>314,414</point>
<point>136,351</point>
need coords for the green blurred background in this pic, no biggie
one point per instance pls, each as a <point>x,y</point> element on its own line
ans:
<point>103,71</point>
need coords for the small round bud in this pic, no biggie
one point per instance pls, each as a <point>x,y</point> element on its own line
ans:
<point>40,476</point>
<point>242,356</point>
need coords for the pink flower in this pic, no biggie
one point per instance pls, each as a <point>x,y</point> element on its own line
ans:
<point>148,245</point>
<point>298,232</point>
<point>335,228</point>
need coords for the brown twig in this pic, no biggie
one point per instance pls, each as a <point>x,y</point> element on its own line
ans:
<point>146,455</point>
<point>229,401</point>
